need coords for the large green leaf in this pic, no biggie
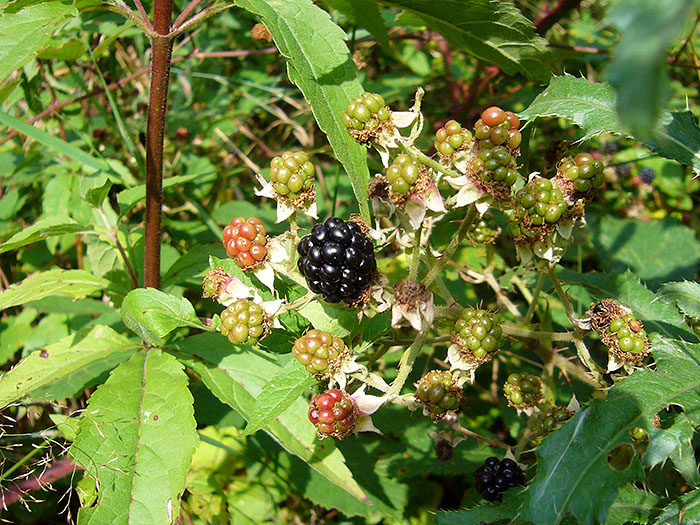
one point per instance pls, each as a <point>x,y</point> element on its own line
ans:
<point>683,511</point>
<point>319,63</point>
<point>61,360</point>
<point>573,474</point>
<point>685,294</point>
<point>67,283</point>
<point>338,320</point>
<point>136,438</point>
<point>635,506</point>
<point>25,32</point>
<point>153,314</point>
<point>364,13</point>
<point>492,513</point>
<point>639,69</point>
<point>40,230</point>
<point>493,30</point>
<point>592,107</point>
<point>237,375</point>
<point>656,251</point>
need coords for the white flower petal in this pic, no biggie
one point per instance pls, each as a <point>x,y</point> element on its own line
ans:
<point>573,405</point>
<point>365,424</point>
<point>413,317</point>
<point>266,190</point>
<point>614,363</point>
<point>341,379</point>
<point>433,200</point>
<point>384,154</point>
<point>467,195</point>
<point>235,289</point>
<point>367,404</point>
<point>278,253</point>
<point>266,275</point>
<point>543,250</point>
<point>311,210</point>
<point>403,119</point>
<point>458,182</point>
<point>271,307</point>
<point>415,210</point>
<point>460,161</point>
<point>284,211</point>
<point>396,315</point>
<point>483,204</point>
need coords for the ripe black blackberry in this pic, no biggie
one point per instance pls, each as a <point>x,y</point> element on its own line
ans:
<point>647,175</point>
<point>337,260</point>
<point>494,477</point>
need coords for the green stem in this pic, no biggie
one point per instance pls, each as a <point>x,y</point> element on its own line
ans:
<point>22,461</point>
<point>535,295</point>
<point>297,304</point>
<point>568,306</point>
<point>535,334</point>
<point>451,247</point>
<point>406,362</point>
<point>415,258</point>
<point>416,154</point>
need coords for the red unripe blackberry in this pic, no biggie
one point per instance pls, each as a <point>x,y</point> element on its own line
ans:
<point>244,322</point>
<point>337,260</point>
<point>584,172</point>
<point>320,353</point>
<point>334,414</point>
<point>245,241</point>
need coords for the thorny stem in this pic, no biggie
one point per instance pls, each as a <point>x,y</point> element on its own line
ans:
<point>187,11</point>
<point>406,362</point>
<point>416,154</point>
<point>535,295</point>
<point>161,46</point>
<point>525,438</point>
<point>415,258</point>
<point>451,247</point>
<point>501,296</point>
<point>495,443</point>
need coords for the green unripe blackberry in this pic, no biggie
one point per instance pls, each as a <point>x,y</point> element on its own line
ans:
<point>403,174</point>
<point>694,323</point>
<point>438,394</point>
<point>244,322</point>
<point>320,353</point>
<point>451,137</point>
<point>523,390</point>
<point>291,174</point>
<point>583,171</point>
<point>497,127</point>
<point>550,419</point>
<point>496,164</point>
<point>537,204</point>
<point>485,231</point>
<point>365,115</point>
<point>478,331</point>
<point>639,434</point>
<point>629,334</point>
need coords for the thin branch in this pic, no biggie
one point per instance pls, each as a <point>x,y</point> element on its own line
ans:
<point>205,13</point>
<point>186,12</point>
<point>144,15</point>
<point>548,19</point>
<point>495,443</point>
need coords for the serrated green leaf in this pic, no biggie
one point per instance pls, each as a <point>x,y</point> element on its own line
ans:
<point>364,13</point>
<point>319,63</point>
<point>67,283</point>
<point>592,107</point>
<point>26,31</point>
<point>686,294</point>
<point>130,197</point>
<point>634,506</point>
<point>337,320</point>
<point>639,68</point>
<point>278,394</point>
<point>153,314</point>
<point>62,359</point>
<point>491,513</point>
<point>493,30</point>
<point>625,287</point>
<point>95,187</point>
<point>683,511</point>
<point>68,50</point>
<point>40,230</point>
<point>236,375</point>
<point>573,474</point>
<point>137,437</point>
<point>637,245</point>
<point>192,264</point>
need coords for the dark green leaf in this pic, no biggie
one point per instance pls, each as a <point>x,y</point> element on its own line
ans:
<point>153,314</point>
<point>67,283</point>
<point>42,229</point>
<point>685,294</point>
<point>683,511</point>
<point>493,30</point>
<point>137,437</point>
<point>492,513</point>
<point>635,506</point>
<point>319,63</point>
<point>338,320</point>
<point>364,13</point>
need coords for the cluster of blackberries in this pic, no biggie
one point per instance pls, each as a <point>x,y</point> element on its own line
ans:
<point>584,172</point>
<point>333,413</point>
<point>403,174</point>
<point>438,393</point>
<point>451,137</point>
<point>337,260</point>
<point>494,477</point>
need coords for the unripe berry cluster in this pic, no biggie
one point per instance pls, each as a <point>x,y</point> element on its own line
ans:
<point>320,353</point>
<point>438,393</point>
<point>291,174</point>
<point>483,231</point>
<point>337,260</point>
<point>497,127</point>
<point>244,322</point>
<point>583,171</point>
<point>451,137</point>
<point>539,203</point>
<point>246,242</point>
<point>628,334</point>
<point>478,331</point>
<point>496,164</point>
<point>694,324</point>
<point>523,390</point>
<point>550,419</point>
<point>403,174</point>
<point>333,413</point>
<point>366,113</point>
<point>494,477</point>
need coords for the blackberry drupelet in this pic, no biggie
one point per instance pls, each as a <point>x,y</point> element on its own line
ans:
<point>494,477</point>
<point>451,137</point>
<point>438,393</point>
<point>244,322</point>
<point>523,390</point>
<point>337,260</point>
<point>647,175</point>
<point>402,174</point>
<point>478,331</point>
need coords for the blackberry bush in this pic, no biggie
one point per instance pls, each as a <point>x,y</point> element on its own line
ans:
<point>244,322</point>
<point>321,354</point>
<point>334,414</point>
<point>494,477</point>
<point>337,260</point>
<point>245,241</point>
<point>439,394</point>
